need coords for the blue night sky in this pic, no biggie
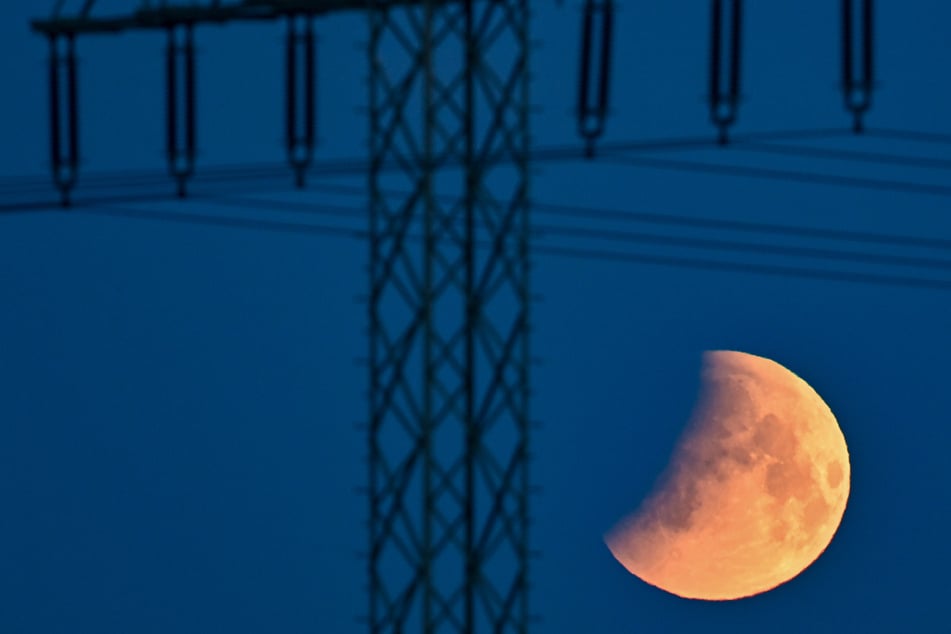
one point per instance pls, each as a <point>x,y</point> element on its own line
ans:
<point>177,449</point>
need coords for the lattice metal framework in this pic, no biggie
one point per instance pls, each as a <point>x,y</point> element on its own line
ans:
<point>449,325</point>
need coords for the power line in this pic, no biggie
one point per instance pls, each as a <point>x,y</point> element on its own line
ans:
<point>226,174</point>
<point>541,230</point>
<point>848,155</point>
<point>586,213</point>
<point>223,221</point>
<point>782,175</point>
<point>205,195</point>
<point>550,249</point>
<point>910,135</point>
<point>631,216</point>
<point>745,247</point>
<point>210,175</point>
<point>244,174</point>
<point>358,165</point>
<point>719,265</point>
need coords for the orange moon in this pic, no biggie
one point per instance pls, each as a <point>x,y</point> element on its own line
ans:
<point>754,491</point>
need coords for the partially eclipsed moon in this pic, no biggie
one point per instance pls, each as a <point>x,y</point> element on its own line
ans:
<point>754,491</point>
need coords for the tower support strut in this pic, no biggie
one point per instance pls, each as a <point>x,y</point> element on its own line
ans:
<point>449,317</point>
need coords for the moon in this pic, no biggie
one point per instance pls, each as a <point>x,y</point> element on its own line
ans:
<point>753,494</point>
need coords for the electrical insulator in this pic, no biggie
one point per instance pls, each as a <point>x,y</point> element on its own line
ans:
<point>180,104</point>
<point>595,72</point>
<point>857,74</point>
<point>724,87</point>
<point>64,144</point>
<point>299,60</point>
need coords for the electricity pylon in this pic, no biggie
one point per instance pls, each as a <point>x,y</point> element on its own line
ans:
<point>449,271</point>
<point>448,310</point>
<point>449,258</point>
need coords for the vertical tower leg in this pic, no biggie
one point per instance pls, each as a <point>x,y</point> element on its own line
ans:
<point>857,65</point>
<point>299,64</point>
<point>180,105</point>
<point>448,311</point>
<point>724,82</point>
<point>64,143</point>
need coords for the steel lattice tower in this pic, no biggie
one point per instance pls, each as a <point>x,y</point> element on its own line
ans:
<point>449,271</point>
<point>448,316</point>
<point>449,258</point>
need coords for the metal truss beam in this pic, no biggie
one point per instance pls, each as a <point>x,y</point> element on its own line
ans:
<point>163,15</point>
<point>448,312</point>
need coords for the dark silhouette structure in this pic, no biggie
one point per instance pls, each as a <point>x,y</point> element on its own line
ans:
<point>449,262</point>
<point>449,323</point>
<point>449,356</point>
<point>858,78</point>
<point>726,26</point>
